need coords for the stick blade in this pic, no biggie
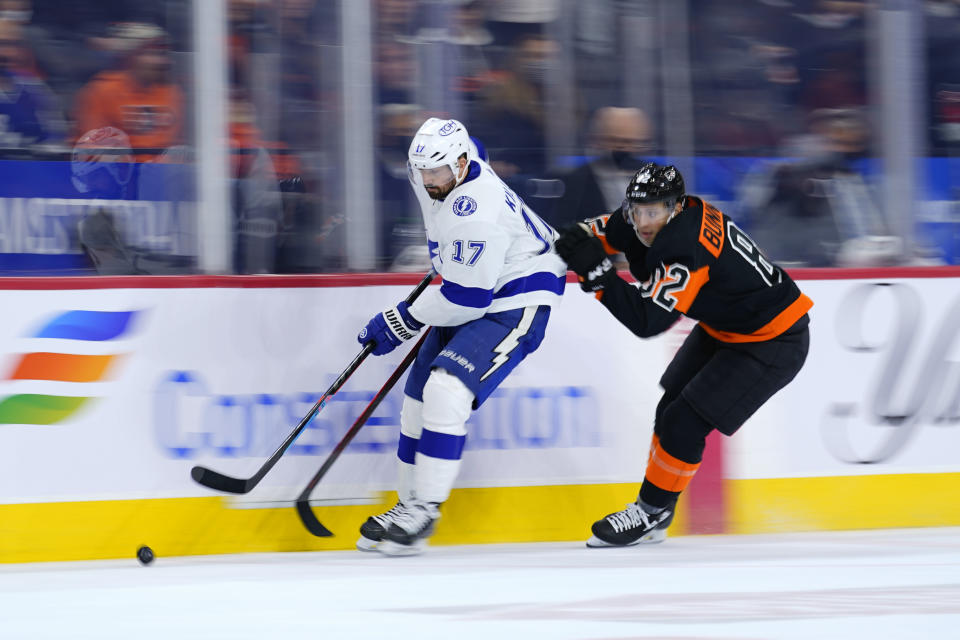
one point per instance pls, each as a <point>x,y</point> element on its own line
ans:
<point>310,520</point>
<point>219,482</point>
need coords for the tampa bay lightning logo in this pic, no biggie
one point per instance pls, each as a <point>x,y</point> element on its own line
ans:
<point>464,206</point>
<point>448,128</point>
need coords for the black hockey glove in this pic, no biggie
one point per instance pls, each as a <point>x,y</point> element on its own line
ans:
<point>584,254</point>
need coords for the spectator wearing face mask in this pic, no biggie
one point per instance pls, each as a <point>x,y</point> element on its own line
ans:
<point>30,113</point>
<point>825,210</point>
<point>511,112</point>
<point>620,137</point>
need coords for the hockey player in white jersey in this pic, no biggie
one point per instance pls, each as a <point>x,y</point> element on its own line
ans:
<point>500,276</point>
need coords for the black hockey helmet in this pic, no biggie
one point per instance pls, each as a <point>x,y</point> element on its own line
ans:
<point>656,183</point>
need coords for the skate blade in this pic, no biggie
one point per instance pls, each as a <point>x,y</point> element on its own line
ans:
<point>395,549</point>
<point>654,537</point>
<point>366,544</point>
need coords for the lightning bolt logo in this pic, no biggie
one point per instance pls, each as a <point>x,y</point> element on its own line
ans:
<point>510,343</point>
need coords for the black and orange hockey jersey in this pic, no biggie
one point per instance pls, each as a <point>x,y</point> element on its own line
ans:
<point>702,265</point>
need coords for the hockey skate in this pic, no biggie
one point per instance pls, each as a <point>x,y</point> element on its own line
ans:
<point>631,526</point>
<point>373,530</point>
<point>410,529</point>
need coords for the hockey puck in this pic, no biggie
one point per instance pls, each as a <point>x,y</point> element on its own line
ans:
<point>145,555</point>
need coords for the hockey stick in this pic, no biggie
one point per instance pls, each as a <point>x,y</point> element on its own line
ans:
<point>220,482</point>
<point>303,501</point>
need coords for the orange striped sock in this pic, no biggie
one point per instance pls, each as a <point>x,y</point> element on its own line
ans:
<point>654,443</point>
<point>667,472</point>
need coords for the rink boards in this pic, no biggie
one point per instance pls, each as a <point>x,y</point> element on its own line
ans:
<point>113,388</point>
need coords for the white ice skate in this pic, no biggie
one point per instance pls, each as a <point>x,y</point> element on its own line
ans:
<point>408,533</point>
<point>373,530</point>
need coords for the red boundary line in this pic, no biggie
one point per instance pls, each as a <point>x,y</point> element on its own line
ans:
<point>211,281</point>
<point>875,273</point>
<point>375,279</point>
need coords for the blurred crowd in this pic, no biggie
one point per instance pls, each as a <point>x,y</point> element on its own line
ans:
<point>568,98</point>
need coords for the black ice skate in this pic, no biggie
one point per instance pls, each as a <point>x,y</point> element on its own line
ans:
<point>408,533</point>
<point>631,526</point>
<point>373,530</point>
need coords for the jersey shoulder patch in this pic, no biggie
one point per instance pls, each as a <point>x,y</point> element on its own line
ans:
<point>464,206</point>
<point>479,198</point>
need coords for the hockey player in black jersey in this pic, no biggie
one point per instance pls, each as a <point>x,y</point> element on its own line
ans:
<point>751,339</point>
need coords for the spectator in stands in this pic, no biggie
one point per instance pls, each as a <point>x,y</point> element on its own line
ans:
<point>395,20</point>
<point>745,71</point>
<point>139,98</point>
<point>241,26</point>
<point>64,47</point>
<point>16,10</point>
<point>257,202</point>
<point>514,19</point>
<point>467,44</point>
<point>16,16</point>
<point>249,33</point>
<point>395,72</point>
<point>302,30</point>
<point>824,211</point>
<point>511,112</point>
<point>400,221</point>
<point>30,114</point>
<point>831,40</point>
<point>941,31</point>
<point>469,27</point>
<point>620,138</point>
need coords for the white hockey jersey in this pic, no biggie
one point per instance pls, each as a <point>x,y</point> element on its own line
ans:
<point>492,251</point>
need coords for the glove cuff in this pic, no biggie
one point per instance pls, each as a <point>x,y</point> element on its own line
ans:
<point>404,310</point>
<point>401,322</point>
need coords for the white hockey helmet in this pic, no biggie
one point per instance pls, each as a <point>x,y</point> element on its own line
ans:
<point>440,143</point>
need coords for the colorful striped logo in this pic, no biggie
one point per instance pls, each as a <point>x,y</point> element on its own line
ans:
<point>79,326</point>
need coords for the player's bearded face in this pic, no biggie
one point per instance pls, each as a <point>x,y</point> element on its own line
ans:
<point>647,219</point>
<point>438,182</point>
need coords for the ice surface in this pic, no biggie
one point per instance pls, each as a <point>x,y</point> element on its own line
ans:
<point>899,584</point>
